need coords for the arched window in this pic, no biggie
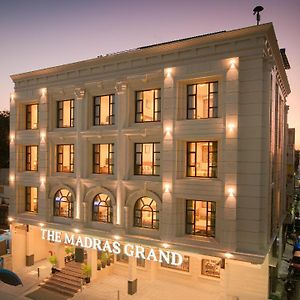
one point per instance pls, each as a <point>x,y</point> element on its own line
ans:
<point>102,209</point>
<point>146,213</point>
<point>63,203</point>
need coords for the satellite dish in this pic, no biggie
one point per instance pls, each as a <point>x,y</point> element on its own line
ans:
<point>256,12</point>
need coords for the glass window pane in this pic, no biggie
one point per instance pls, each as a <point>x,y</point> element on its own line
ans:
<point>191,89</point>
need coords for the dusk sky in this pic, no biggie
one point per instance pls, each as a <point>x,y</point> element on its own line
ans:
<point>36,34</point>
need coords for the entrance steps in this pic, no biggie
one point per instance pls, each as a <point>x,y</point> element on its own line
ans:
<point>67,281</point>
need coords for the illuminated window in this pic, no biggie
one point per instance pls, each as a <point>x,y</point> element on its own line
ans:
<point>65,158</point>
<point>211,267</point>
<point>200,217</point>
<point>146,213</point>
<point>32,116</point>
<point>202,100</point>
<point>63,204</point>
<point>31,158</point>
<point>202,159</point>
<point>103,158</point>
<point>147,159</point>
<point>185,266</point>
<point>102,209</point>
<point>147,106</point>
<point>104,110</point>
<point>65,113</point>
<point>31,199</point>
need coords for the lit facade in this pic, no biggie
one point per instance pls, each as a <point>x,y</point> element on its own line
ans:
<point>174,146</point>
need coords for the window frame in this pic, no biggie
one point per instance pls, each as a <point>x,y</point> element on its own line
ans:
<point>28,160</point>
<point>110,157</point>
<point>70,204</point>
<point>156,110</point>
<point>60,108</point>
<point>212,166</point>
<point>213,213</point>
<point>140,166</point>
<point>59,156</point>
<point>111,110</point>
<point>28,199</point>
<point>28,109</point>
<point>109,209</point>
<point>210,108</point>
<point>139,224</point>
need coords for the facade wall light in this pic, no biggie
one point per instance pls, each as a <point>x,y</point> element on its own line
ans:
<point>167,188</point>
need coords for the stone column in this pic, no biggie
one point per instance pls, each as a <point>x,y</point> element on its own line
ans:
<point>92,261</point>
<point>132,276</point>
<point>168,157</point>
<point>29,247</point>
<point>59,252</point>
<point>79,123</point>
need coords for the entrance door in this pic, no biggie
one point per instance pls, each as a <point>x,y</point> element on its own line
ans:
<point>79,254</point>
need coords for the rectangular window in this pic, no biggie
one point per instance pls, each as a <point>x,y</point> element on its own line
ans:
<point>32,116</point>
<point>202,100</point>
<point>65,113</point>
<point>65,158</point>
<point>202,159</point>
<point>31,158</point>
<point>104,110</point>
<point>103,158</point>
<point>147,159</point>
<point>31,199</point>
<point>148,105</point>
<point>185,266</point>
<point>200,217</point>
<point>211,267</point>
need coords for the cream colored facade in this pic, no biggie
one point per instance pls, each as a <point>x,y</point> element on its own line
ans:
<point>249,189</point>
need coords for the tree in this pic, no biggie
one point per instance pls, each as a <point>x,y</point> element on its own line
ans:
<point>4,139</point>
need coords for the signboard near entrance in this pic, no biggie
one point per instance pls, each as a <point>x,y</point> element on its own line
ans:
<point>138,251</point>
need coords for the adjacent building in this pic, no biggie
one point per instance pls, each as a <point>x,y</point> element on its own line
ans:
<point>177,146</point>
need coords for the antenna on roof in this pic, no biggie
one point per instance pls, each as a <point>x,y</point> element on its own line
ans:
<point>256,12</point>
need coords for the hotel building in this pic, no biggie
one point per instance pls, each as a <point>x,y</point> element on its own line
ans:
<point>178,146</point>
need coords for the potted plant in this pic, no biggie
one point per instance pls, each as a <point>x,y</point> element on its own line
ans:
<point>72,251</point>
<point>68,251</point>
<point>53,261</point>
<point>98,264</point>
<point>87,272</point>
<point>104,258</point>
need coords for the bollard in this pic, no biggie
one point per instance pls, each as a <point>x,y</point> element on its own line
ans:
<point>38,271</point>
<point>118,295</point>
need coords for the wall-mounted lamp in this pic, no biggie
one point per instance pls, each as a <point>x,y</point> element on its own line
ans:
<point>10,219</point>
<point>12,178</point>
<point>42,180</point>
<point>165,245</point>
<point>44,92</point>
<point>168,72</point>
<point>116,237</point>
<point>230,192</point>
<point>231,127</point>
<point>167,188</point>
<point>41,224</point>
<point>168,131</point>
<point>43,137</point>
<point>76,230</point>
<point>228,255</point>
<point>12,98</point>
<point>232,63</point>
<point>12,138</point>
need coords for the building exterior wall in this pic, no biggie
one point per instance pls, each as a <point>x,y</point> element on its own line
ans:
<point>249,183</point>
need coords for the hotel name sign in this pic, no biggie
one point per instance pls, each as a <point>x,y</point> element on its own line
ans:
<point>131,250</point>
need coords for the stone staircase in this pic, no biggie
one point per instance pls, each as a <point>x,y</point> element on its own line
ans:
<point>67,282</point>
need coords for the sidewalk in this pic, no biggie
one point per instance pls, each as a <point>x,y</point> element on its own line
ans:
<point>30,281</point>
